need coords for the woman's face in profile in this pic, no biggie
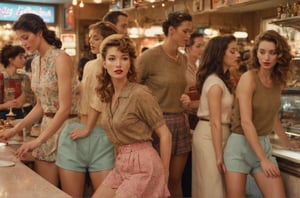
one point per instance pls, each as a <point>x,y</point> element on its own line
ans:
<point>182,33</point>
<point>29,40</point>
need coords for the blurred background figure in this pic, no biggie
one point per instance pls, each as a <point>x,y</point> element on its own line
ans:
<point>14,87</point>
<point>119,19</point>
<point>193,50</point>
<point>162,69</point>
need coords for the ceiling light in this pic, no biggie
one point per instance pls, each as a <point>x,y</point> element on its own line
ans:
<point>98,1</point>
<point>74,2</point>
<point>81,4</point>
<point>240,34</point>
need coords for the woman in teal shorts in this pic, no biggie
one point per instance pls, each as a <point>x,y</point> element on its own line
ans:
<point>83,144</point>
<point>255,116</point>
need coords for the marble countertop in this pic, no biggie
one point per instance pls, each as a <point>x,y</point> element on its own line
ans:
<point>283,152</point>
<point>293,156</point>
<point>20,181</point>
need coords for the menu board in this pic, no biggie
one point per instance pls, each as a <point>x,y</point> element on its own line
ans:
<point>11,11</point>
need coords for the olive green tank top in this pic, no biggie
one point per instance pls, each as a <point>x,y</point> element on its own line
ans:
<point>265,104</point>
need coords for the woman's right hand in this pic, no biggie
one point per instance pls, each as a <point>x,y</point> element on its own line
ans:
<point>8,133</point>
<point>11,104</point>
<point>78,133</point>
<point>269,168</point>
<point>185,100</point>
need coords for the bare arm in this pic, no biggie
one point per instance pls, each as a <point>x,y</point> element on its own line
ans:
<point>280,131</point>
<point>214,97</point>
<point>245,89</point>
<point>21,100</point>
<point>34,115</point>
<point>63,67</point>
<point>91,122</point>
<point>64,73</point>
<point>165,139</point>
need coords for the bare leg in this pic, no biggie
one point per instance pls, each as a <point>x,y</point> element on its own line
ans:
<point>72,182</point>
<point>177,165</point>
<point>47,170</point>
<point>104,191</point>
<point>98,177</point>
<point>271,187</point>
<point>235,184</point>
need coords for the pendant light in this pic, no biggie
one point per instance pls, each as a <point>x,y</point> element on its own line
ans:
<point>81,4</point>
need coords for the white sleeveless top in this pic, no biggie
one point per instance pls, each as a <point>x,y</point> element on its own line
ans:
<point>227,99</point>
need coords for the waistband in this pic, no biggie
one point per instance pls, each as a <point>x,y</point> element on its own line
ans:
<point>51,115</point>
<point>242,134</point>
<point>134,147</point>
<point>207,120</point>
<point>177,113</point>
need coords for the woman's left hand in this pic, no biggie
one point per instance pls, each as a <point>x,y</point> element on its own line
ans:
<point>221,166</point>
<point>27,147</point>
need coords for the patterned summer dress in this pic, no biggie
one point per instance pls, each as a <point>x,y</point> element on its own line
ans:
<point>44,84</point>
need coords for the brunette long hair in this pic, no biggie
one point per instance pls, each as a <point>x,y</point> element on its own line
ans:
<point>34,23</point>
<point>212,61</point>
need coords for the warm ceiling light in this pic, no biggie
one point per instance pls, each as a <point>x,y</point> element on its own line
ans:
<point>240,34</point>
<point>81,4</point>
<point>98,1</point>
<point>74,2</point>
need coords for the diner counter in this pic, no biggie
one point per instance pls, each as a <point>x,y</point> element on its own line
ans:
<point>19,180</point>
<point>279,151</point>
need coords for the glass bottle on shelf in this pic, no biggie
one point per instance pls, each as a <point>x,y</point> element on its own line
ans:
<point>298,8</point>
<point>279,11</point>
<point>294,9</point>
<point>288,10</point>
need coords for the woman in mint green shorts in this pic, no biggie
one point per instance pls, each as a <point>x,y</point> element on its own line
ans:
<point>83,144</point>
<point>255,116</point>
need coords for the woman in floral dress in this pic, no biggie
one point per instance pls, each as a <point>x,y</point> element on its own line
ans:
<point>54,84</point>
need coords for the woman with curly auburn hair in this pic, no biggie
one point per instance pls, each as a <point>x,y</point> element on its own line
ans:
<point>255,116</point>
<point>284,67</point>
<point>130,115</point>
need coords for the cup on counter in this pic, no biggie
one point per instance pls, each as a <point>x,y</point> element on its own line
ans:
<point>10,117</point>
